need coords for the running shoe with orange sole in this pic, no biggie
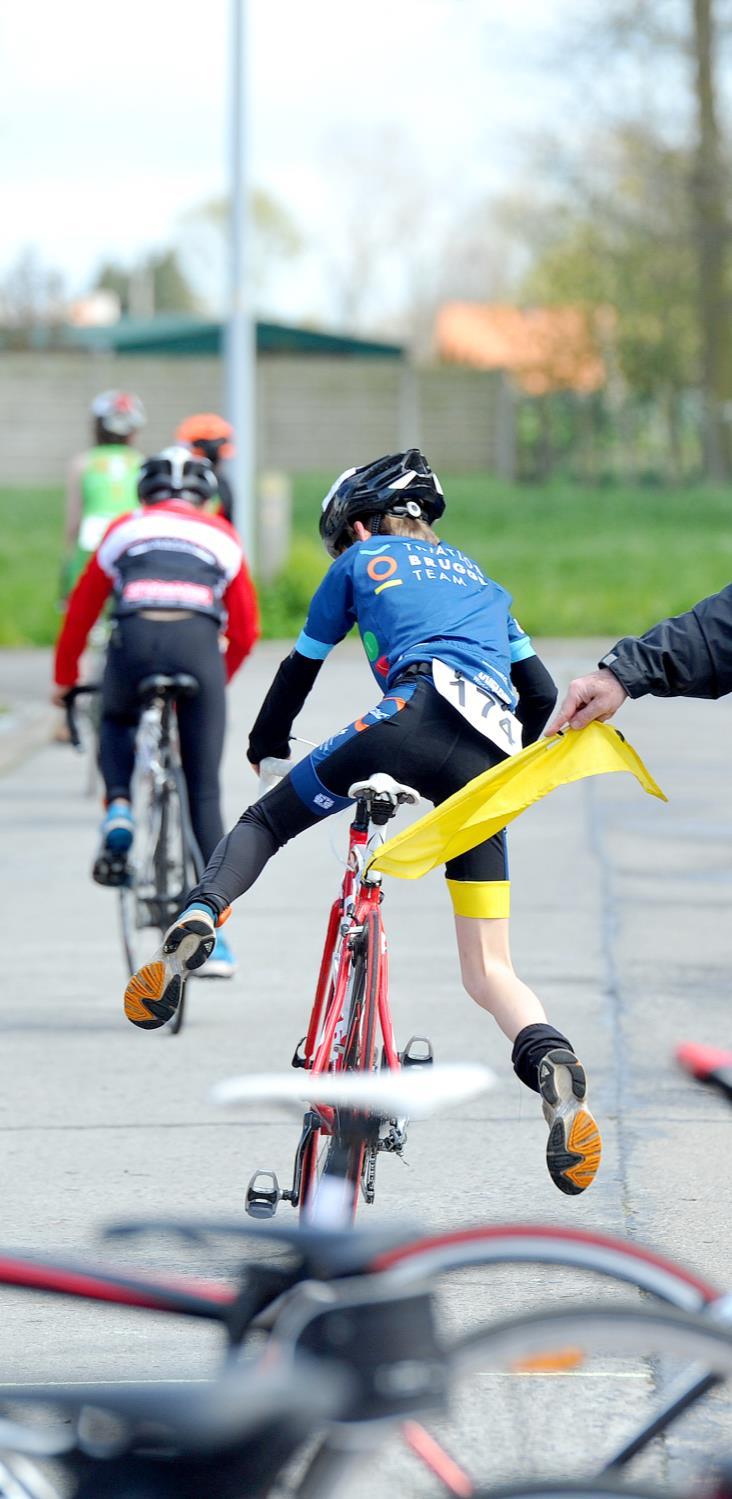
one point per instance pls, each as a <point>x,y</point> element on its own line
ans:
<point>153,993</point>
<point>574,1146</point>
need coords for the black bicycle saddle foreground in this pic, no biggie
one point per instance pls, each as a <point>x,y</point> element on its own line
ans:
<point>321,1254</point>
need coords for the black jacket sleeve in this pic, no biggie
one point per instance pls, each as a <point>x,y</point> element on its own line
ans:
<point>687,656</point>
<point>292,683</point>
<point>537,696</point>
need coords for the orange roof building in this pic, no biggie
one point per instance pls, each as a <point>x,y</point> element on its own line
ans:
<point>544,348</point>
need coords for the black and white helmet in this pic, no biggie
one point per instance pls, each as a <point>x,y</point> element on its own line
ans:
<point>176,474</point>
<point>398,484</point>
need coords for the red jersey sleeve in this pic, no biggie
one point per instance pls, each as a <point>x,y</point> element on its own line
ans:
<point>242,629</point>
<point>84,607</point>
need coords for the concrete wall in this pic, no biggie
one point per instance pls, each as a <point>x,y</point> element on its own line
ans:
<point>312,414</point>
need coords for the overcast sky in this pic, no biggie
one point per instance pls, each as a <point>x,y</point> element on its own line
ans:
<point>113,121</point>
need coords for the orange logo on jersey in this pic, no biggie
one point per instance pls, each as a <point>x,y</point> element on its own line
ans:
<point>382,570</point>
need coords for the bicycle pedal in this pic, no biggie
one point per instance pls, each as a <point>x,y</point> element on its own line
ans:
<point>111,869</point>
<point>263,1195</point>
<point>417,1053</point>
<point>298,1058</point>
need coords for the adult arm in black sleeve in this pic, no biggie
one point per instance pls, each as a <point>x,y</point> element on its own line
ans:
<point>292,683</point>
<point>687,656</point>
<point>537,696</point>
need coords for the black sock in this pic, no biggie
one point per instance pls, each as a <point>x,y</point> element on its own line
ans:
<point>531,1044</point>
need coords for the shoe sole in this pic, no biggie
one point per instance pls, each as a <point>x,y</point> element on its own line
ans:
<point>153,994</point>
<point>574,1147</point>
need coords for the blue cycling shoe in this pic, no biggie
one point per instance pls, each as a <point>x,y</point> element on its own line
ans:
<point>118,828</point>
<point>118,831</point>
<point>222,964</point>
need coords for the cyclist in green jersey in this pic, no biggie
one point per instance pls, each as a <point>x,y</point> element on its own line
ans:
<point>102,482</point>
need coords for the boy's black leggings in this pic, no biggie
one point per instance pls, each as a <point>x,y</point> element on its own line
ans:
<point>425,744</point>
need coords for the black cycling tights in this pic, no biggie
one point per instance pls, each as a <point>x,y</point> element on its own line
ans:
<point>146,647</point>
<point>426,745</point>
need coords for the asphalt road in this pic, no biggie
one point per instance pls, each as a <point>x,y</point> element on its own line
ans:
<point>621,921</point>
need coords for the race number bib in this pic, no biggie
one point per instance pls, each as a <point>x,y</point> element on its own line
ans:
<point>486,714</point>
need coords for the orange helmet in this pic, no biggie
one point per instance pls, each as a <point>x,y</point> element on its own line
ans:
<point>208,435</point>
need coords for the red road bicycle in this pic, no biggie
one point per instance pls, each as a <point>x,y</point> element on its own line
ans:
<point>350,1030</point>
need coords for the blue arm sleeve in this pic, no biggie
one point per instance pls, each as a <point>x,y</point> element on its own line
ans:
<point>519,641</point>
<point>331,614</point>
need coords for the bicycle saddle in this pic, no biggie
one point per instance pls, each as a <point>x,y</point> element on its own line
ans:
<point>180,685</point>
<point>382,792</point>
<point>414,1093</point>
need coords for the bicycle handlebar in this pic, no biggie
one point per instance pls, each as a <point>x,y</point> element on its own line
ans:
<point>272,770</point>
<point>85,689</point>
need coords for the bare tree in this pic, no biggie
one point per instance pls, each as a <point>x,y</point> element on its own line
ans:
<point>31,296</point>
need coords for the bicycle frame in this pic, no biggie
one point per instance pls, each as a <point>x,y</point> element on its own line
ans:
<point>360,892</point>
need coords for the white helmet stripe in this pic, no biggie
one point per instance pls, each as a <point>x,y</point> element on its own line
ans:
<point>404,480</point>
<point>345,475</point>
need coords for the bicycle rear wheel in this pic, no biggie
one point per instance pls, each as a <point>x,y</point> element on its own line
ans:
<point>333,1164</point>
<point>179,860</point>
<point>138,913</point>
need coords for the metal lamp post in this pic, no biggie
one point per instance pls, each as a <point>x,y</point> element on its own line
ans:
<point>240,333</point>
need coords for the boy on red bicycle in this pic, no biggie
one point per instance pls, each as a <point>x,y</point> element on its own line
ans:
<point>443,646</point>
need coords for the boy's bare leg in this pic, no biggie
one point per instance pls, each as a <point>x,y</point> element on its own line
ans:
<point>488,974</point>
<point>543,1058</point>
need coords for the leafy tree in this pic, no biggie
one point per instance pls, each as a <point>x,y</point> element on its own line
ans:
<point>276,240</point>
<point>156,284</point>
<point>673,50</point>
<point>627,244</point>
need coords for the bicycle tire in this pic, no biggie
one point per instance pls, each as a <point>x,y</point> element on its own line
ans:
<point>570,1488</point>
<point>133,905</point>
<point>343,1158</point>
<point>329,983</point>
<point>191,868</point>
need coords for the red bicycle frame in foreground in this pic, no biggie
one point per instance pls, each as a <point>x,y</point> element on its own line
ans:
<point>350,1029</point>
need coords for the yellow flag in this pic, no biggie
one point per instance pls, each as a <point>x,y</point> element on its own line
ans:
<point>492,800</point>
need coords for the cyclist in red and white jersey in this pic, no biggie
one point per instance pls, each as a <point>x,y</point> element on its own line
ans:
<point>178,577</point>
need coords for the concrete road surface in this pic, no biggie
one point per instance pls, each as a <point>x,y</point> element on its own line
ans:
<point>621,920</point>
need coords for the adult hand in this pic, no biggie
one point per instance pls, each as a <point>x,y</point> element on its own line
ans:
<point>597,696</point>
<point>59,696</point>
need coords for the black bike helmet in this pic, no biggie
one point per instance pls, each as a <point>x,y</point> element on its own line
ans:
<point>176,474</point>
<point>398,484</point>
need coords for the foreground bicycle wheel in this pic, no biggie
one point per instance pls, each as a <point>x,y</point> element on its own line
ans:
<point>553,1393</point>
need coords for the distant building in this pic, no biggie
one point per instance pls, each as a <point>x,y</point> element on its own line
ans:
<point>323,400</point>
<point>543,349</point>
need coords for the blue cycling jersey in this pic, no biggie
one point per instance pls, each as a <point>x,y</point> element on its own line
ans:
<point>414,601</point>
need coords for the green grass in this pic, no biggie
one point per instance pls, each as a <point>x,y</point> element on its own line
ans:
<point>577,561</point>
